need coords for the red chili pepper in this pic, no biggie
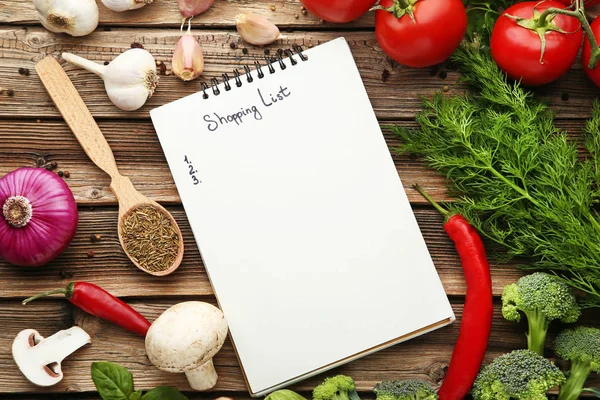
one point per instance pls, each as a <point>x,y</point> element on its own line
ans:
<point>96,301</point>
<point>476,324</point>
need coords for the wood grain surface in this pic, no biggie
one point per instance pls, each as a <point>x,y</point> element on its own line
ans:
<point>32,133</point>
<point>139,156</point>
<point>164,13</point>
<point>422,358</point>
<point>110,268</point>
<point>396,97</point>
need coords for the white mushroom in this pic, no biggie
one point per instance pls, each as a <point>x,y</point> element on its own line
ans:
<point>185,338</point>
<point>39,359</point>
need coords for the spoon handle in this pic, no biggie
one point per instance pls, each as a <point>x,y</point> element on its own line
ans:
<point>76,114</point>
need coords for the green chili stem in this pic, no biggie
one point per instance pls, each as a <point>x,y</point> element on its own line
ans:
<point>51,292</point>
<point>430,199</point>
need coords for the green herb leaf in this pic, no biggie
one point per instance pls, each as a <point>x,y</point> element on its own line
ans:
<point>595,391</point>
<point>112,381</point>
<point>353,395</point>
<point>515,175</point>
<point>135,395</point>
<point>482,16</point>
<point>284,394</point>
<point>164,393</point>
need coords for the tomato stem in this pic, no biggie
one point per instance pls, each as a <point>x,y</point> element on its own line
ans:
<point>579,13</point>
<point>399,9</point>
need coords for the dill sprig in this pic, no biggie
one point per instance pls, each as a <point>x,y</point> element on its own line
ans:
<point>515,175</point>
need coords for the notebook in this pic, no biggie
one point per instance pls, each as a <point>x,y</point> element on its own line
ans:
<point>307,235</point>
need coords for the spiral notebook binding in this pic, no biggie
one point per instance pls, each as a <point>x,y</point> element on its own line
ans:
<point>237,77</point>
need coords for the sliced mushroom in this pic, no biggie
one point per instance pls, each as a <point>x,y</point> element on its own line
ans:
<point>39,358</point>
<point>185,338</point>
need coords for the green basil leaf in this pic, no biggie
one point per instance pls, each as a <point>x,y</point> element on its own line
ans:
<point>164,393</point>
<point>112,381</point>
<point>135,395</point>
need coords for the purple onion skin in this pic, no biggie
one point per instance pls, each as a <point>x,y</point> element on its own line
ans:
<point>53,219</point>
<point>189,8</point>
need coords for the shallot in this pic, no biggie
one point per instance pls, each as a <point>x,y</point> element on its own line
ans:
<point>39,216</point>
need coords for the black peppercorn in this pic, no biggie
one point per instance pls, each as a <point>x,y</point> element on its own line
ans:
<point>385,75</point>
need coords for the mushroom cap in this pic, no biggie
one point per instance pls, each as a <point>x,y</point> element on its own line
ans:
<point>186,336</point>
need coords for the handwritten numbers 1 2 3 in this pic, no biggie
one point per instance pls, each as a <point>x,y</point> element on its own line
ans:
<point>192,171</point>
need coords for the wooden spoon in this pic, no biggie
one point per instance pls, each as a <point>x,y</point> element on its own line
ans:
<point>80,120</point>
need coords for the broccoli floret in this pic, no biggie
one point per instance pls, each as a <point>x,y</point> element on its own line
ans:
<point>542,298</point>
<point>404,390</point>
<point>581,346</point>
<point>521,374</point>
<point>339,387</point>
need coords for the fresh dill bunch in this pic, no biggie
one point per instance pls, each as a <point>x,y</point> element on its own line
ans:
<point>515,175</point>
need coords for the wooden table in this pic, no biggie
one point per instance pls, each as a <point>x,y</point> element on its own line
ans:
<point>31,129</point>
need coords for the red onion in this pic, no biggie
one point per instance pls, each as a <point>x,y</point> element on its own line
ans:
<point>38,218</point>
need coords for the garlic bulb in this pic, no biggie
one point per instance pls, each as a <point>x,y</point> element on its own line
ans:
<point>256,29</point>
<point>124,5</point>
<point>189,8</point>
<point>130,79</point>
<point>188,60</point>
<point>75,17</point>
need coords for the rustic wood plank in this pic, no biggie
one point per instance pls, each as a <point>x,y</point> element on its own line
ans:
<point>139,156</point>
<point>421,358</point>
<point>164,13</point>
<point>111,269</point>
<point>399,97</point>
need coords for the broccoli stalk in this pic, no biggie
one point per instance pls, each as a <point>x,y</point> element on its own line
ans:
<point>537,329</point>
<point>339,387</point>
<point>520,374</point>
<point>581,346</point>
<point>542,298</point>
<point>578,374</point>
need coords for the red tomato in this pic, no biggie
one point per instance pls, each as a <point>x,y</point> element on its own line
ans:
<point>517,50</point>
<point>594,74</point>
<point>436,31</point>
<point>338,10</point>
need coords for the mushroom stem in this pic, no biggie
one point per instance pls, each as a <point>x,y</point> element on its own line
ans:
<point>204,377</point>
<point>39,358</point>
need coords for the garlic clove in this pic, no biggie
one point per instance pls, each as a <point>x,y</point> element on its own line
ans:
<point>125,5</point>
<point>189,8</point>
<point>188,60</point>
<point>74,17</point>
<point>129,80</point>
<point>256,29</point>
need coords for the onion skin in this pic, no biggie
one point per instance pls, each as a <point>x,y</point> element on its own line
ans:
<point>53,217</point>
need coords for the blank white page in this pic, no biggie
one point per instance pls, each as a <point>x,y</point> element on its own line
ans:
<point>304,227</point>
